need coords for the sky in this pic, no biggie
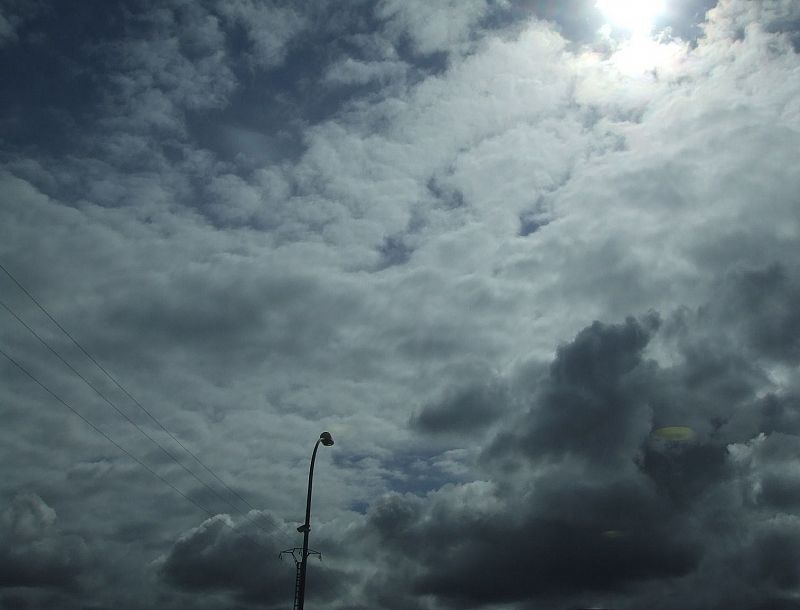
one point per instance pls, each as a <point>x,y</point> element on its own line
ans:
<point>536,270</point>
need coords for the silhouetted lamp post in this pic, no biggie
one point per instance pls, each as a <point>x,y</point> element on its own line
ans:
<point>326,439</point>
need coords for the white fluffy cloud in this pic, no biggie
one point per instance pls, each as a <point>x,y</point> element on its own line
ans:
<point>432,27</point>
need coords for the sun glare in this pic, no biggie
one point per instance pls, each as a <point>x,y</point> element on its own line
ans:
<point>641,54</point>
<point>636,16</point>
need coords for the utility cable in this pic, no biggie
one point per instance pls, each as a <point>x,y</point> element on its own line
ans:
<point>197,504</point>
<point>103,434</point>
<point>125,415</point>
<point>113,379</point>
<point>121,387</point>
<point>113,406</point>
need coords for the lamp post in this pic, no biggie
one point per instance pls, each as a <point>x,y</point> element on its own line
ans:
<point>326,439</point>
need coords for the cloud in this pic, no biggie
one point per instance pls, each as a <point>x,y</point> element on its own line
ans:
<point>269,28</point>
<point>222,555</point>
<point>598,502</point>
<point>177,64</point>
<point>603,503</point>
<point>588,520</point>
<point>466,409</point>
<point>590,405</point>
<point>35,553</point>
<point>773,15</point>
<point>432,28</point>
<point>15,15</point>
<point>566,540</point>
<point>353,72</point>
<point>761,302</point>
<point>7,31</point>
<point>440,239</point>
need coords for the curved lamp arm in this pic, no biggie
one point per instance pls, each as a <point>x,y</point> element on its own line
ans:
<point>327,440</point>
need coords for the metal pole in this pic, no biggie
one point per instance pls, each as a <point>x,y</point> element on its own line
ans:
<point>305,528</point>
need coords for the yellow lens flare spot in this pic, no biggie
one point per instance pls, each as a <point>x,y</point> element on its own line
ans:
<point>636,16</point>
<point>613,534</point>
<point>674,433</point>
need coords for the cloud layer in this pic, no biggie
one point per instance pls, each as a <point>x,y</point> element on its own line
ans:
<point>495,249</point>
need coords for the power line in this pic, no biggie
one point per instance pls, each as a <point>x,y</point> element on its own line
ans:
<point>114,406</point>
<point>103,434</point>
<point>208,512</point>
<point>121,387</point>
<point>124,391</point>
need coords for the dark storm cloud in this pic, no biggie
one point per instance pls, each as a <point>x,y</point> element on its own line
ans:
<point>582,527</point>
<point>465,409</point>
<point>781,491</point>
<point>778,556</point>
<point>34,552</point>
<point>218,556</point>
<point>684,471</point>
<point>780,413</point>
<point>555,558</point>
<point>764,301</point>
<point>604,502</point>
<point>213,557</point>
<point>592,404</point>
<point>573,537</point>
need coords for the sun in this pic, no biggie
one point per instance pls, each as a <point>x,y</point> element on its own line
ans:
<point>636,16</point>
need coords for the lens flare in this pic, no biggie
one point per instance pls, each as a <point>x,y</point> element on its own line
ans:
<point>674,433</point>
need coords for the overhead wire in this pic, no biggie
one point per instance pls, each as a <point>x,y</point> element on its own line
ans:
<point>113,379</point>
<point>122,388</point>
<point>100,432</point>
<point>109,402</point>
<point>141,463</point>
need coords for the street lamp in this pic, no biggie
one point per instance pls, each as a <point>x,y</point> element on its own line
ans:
<point>326,439</point>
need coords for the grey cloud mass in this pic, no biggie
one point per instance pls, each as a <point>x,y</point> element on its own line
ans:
<point>36,554</point>
<point>538,276</point>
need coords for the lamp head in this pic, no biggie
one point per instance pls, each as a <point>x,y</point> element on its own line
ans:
<point>326,439</point>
